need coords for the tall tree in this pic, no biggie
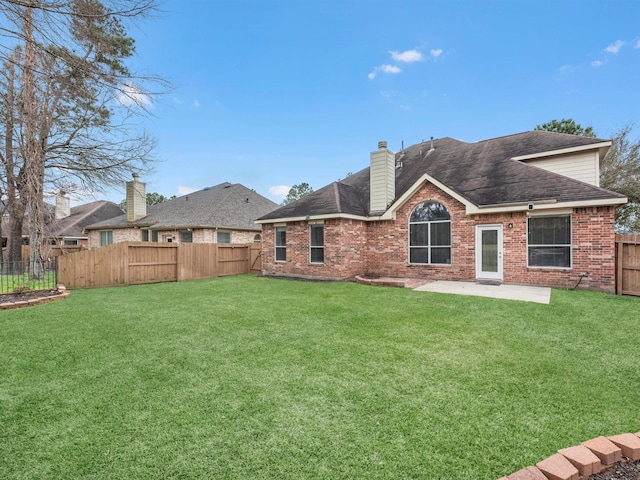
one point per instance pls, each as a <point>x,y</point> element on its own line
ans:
<point>75,96</point>
<point>620,172</point>
<point>566,125</point>
<point>10,163</point>
<point>619,169</point>
<point>296,192</point>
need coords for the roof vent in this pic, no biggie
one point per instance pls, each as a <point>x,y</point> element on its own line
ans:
<point>382,144</point>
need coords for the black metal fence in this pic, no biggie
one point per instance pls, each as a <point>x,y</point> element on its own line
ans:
<point>20,277</point>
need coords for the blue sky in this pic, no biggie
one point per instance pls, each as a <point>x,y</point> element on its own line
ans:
<point>275,93</point>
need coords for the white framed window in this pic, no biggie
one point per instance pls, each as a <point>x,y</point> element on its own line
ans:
<point>224,237</point>
<point>316,243</point>
<point>281,244</point>
<point>186,236</point>
<point>549,241</point>
<point>430,234</point>
<point>144,235</point>
<point>106,237</point>
<point>71,242</point>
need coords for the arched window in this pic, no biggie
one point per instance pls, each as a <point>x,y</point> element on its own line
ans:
<point>257,238</point>
<point>430,234</point>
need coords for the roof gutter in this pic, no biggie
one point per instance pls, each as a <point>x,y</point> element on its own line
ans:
<point>544,205</point>
<point>326,216</point>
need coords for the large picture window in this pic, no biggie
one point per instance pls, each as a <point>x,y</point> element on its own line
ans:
<point>430,234</point>
<point>316,244</point>
<point>281,244</point>
<point>224,237</point>
<point>549,241</point>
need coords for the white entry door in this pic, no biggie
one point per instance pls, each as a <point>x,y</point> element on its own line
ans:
<point>489,252</point>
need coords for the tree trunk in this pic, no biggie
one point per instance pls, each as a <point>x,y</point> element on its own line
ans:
<point>33,155</point>
<point>15,205</point>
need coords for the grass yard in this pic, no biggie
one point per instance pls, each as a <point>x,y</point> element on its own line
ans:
<point>254,378</point>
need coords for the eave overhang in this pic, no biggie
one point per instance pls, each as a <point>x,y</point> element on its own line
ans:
<point>602,148</point>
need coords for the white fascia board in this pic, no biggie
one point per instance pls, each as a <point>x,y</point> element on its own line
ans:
<point>390,214</point>
<point>564,151</point>
<point>316,217</point>
<point>546,206</point>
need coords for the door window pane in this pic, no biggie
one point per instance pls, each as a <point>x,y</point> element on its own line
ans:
<point>489,250</point>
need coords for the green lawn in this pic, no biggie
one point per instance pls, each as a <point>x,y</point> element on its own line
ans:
<point>16,283</point>
<point>254,378</point>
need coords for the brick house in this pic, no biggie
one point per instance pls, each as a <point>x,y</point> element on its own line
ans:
<point>67,229</point>
<point>224,213</point>
<point>524,209</point>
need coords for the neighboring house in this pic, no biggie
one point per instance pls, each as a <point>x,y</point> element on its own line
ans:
<point>524,209</point>
<point>64,225</point>
<point>67,229</point>
<point>224,213</point>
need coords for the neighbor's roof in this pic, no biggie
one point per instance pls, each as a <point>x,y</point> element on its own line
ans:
<point>482,173</point>
<point>81,216</point>
<point>227,205</point>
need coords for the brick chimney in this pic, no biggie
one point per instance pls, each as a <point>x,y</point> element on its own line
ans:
<point>382,176</point>
<point>136,199</point>
<point>63,205</point>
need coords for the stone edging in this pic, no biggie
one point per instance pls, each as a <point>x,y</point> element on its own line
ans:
<point>590,457</point>
<point>62,292</point>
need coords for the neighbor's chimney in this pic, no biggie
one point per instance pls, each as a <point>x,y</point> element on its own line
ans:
<point>382,177</point>
<point>63,205</point>
<point>136,199</point>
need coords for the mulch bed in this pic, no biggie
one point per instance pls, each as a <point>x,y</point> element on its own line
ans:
<point>35,297</point>
<point>624,470</point>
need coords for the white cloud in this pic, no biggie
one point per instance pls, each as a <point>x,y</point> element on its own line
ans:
<point>196,103</point>
<point>564,69</point>
<point>408,56</point>
<point>637,44</point>
<point>614,47</point>
<point>131,95</point>
<point>389,69</point>
<point>597,63</point>
<point>182,190</point>
<point>279,191</point>
<point>384,69</point>
<point>436,52</point>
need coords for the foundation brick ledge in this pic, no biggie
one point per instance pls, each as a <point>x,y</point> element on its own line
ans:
<point>580,461</point>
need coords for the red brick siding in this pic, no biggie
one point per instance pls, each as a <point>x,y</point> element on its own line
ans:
<point>382,247</point>
<point>344,240</point>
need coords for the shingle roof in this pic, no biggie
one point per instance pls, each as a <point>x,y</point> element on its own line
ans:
<point>483,173</point>
<point>225,205</point>
<point>81,216</point>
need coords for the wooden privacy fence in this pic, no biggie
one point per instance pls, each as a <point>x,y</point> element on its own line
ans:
<point>132,263</point>
<point>628,264</point>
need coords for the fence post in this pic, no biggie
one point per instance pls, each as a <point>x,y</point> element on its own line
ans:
<point>619,265</point>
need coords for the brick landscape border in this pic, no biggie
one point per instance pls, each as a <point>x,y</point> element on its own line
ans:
<point>59,293</point>
<point>578,462</point>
